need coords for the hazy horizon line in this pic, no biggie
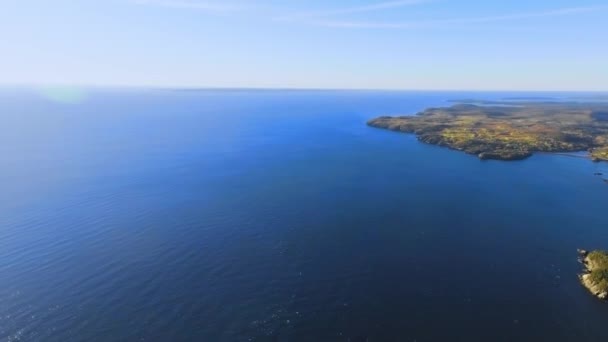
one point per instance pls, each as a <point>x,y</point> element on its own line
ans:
<point>285,88</point>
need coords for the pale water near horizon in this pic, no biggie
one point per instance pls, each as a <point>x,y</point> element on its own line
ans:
<point>218,215</point>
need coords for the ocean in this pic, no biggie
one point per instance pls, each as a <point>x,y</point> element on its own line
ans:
<point>278,215</point>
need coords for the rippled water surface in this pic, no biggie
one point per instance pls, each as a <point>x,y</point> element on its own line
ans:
<point>163,215</point>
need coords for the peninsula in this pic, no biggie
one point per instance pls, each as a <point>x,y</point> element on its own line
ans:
<point>595,278</point>
<point>510,130</point>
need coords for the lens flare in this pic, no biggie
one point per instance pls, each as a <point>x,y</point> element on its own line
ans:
<point>63,94</point>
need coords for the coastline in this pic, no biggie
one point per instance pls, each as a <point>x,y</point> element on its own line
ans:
<point>510,133</point>
<point>587,278</point>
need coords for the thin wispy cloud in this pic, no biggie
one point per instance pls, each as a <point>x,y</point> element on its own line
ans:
<point>206,6</point>
<point>330,17</point>
<point>350,10</point>
<point>460,21</point>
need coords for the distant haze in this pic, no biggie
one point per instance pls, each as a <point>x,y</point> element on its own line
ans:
<point>348,44</point>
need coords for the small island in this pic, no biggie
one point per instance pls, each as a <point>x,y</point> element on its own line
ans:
<point>595,278</point>
<point>510,130</point>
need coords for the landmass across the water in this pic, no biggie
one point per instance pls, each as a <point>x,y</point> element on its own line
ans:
<point>595,278</point>
<point>510,130</point>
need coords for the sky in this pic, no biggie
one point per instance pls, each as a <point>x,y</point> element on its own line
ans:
<point>341,44</point>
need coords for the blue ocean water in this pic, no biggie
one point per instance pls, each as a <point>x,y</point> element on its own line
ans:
<point>239,215</point>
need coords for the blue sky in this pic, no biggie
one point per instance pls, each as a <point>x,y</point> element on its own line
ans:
<point>370,44</point>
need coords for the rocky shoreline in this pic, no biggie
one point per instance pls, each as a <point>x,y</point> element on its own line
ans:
<point>513,132</point>
<point>595,275</point>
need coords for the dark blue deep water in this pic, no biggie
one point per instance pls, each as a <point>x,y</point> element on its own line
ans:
<point>162,215</point>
